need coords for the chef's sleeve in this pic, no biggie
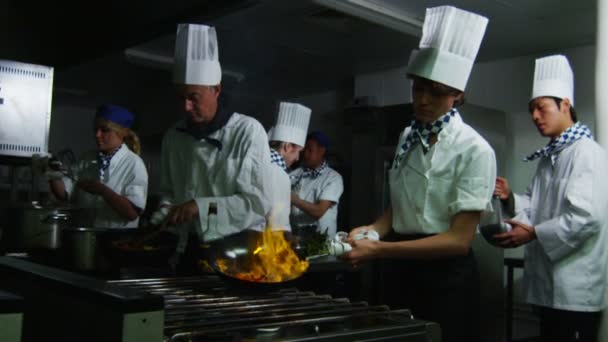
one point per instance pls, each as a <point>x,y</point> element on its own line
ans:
<point>136,189</point>
<point>585,204</point>
<point>333,189</point>
<point>522,202</point>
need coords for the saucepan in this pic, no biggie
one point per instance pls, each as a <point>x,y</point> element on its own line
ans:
<point>235,258</point>
<point>84,248</point>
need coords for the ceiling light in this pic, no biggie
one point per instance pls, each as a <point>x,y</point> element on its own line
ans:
<point>377,13</point>
<point>159,61</point>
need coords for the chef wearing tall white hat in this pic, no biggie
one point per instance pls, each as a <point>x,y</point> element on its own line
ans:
<point>441,179</point>
<point>562,217</point>
<point>213,158</point>
<point>287,139</point>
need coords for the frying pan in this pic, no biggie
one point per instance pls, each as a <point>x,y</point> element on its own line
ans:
<point>147,248</point>
<point>237,252</point>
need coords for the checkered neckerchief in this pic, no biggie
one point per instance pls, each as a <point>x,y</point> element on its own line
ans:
<point>277,159</point>
<point>572,134</point>
<point>312,173</point>
<point>103,161</point>
<point>421,132</point>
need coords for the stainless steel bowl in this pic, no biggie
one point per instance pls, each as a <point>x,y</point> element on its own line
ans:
<point>489,230</point>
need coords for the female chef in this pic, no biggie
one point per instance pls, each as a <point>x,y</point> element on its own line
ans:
<point>441,179</point>
<point>113,179</point>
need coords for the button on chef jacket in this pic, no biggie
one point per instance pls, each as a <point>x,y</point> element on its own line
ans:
<point>233,177</point>
<point>457,174</point>
<point>126,175</point>
<point>326,186</point>
<point>567,204</point>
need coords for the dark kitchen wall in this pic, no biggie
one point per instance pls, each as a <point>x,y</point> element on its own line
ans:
<point>375,132</point>
<point>150,94</point>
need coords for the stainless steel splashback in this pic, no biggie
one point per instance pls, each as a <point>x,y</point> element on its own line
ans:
<point>25,108</point>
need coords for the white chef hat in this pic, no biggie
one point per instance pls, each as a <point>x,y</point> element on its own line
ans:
<point>292,124</point>
<point>553,77</point>
<point>196,56</point>
<point>450,41</point>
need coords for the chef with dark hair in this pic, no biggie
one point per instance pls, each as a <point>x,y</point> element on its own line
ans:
<point>316,188</point>
<point>561,218</point>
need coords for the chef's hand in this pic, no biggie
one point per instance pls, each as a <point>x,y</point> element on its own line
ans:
<point>92,186</point>
<point>182,213</point>
<point>520,234</point>
<point>158,218</point>
<point>363,250</point>
<point>502,189</point>
<point>358,230</point>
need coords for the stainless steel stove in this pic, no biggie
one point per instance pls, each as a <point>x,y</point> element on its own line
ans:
<point>71,307</point>
<point>205,309</point>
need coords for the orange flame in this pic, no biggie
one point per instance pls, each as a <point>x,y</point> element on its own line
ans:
<point>272,261</point>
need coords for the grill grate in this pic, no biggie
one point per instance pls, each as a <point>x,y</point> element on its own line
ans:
<point>204,309</point>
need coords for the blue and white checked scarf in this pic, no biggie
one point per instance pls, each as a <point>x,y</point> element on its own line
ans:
<point>422,132</point>
<point>277,159</point>
<point>312,173</point>
<point>572,134</point>
<point>103,161</point>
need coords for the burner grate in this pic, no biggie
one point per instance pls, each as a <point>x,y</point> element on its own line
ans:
<point>205,309</point>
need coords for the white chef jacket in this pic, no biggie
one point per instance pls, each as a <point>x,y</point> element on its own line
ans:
<point>328,186</point>
<point>278,218</point>
<point>567,201</point>
<point>456,174</point>
<point>126,175</point>
<point>233,178</point>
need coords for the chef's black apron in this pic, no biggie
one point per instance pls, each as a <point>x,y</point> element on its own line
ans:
<point>445,291</point>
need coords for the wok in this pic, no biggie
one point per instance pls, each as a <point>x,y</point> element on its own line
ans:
<point>148,247</point>
<point>237,252</point>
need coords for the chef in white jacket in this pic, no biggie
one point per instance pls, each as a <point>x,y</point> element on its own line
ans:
<point>113,179</point>
<point>287,139</point>
<point>441,180</point>
<point>213,160</point>
<point>316,188</point>
<point>562,218</point>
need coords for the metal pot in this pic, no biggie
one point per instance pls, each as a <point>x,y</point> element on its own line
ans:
<point>40,226</point>
<point>84,248</point>
<point>80,247</point>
